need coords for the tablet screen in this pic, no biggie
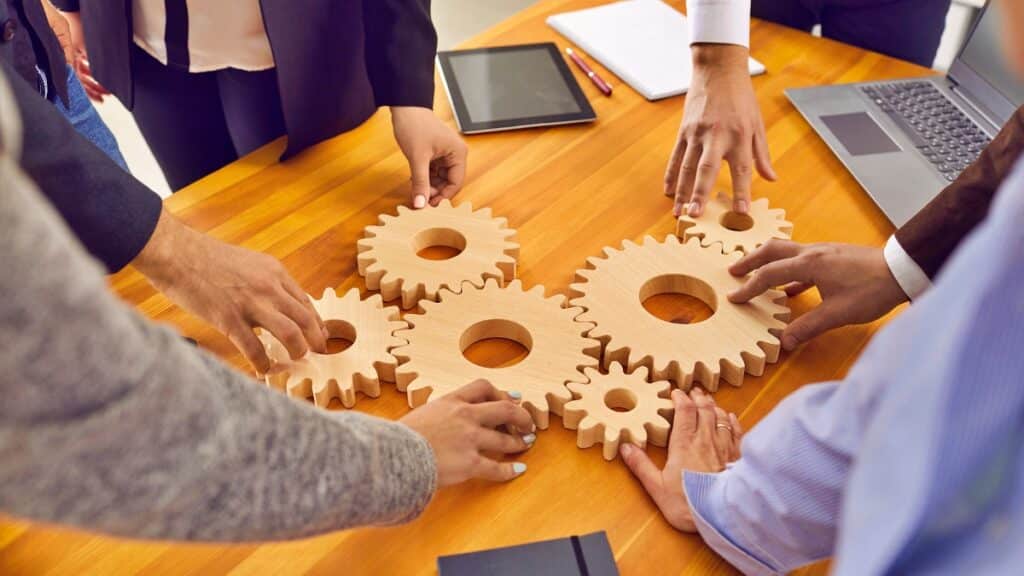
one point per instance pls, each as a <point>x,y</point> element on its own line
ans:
<point>512,87</point>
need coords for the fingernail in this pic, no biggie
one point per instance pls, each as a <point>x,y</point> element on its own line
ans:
<point>515,395</point>
<point>742,207</point>
<point>694,210</point>
<point>789,342</point>
<point>518,468</point>
<point>419,201</point>
<point>530,439</point>
<point>625,449</point>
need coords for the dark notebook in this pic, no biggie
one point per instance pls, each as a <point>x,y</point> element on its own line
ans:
<point>588,555</point>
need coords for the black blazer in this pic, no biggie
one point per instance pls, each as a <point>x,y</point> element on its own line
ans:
<point>337,60</point>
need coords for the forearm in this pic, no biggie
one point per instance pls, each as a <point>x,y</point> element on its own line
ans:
<point>110,212</point>
<point>113,424</point>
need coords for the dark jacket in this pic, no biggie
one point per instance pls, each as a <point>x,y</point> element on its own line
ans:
<point>337,60</point>
<point>26,42</point>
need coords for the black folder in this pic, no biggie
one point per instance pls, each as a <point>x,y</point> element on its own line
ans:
<point>588,555</point>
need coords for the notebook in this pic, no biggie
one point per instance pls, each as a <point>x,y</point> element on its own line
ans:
<point>646,43</point>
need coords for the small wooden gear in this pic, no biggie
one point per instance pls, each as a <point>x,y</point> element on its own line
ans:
<point>732,230</point>
<point>737,338</point>
<point>618,407</point>
<point>388,254</point>
<point>434,363</point>
<point>368,325</point>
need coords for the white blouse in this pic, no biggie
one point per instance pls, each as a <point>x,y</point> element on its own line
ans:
<point>203,35</point>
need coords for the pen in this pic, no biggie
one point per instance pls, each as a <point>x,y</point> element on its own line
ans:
<point>603,86</point>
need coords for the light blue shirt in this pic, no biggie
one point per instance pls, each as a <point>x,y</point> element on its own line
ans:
<point>915,462</point>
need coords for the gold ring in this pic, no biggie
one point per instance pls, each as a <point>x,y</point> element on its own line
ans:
<point>726,426</point>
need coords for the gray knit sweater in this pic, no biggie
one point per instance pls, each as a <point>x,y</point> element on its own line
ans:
<point>111,423</point>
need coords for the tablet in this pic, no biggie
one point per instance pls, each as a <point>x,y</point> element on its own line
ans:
<point>512,87</point>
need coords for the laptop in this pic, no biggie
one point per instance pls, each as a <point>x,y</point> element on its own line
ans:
<point>905,140</point>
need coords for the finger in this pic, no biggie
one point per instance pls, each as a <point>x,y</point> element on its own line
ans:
<point>706,418</point>
<point>707,173</point>
<point>456,177</point>
<point>769,276</point>
<point>305,317</point>
<point>797,288</point>
<point>770,251</point>
<point>674,163</point>
<point>420,167</point>
<point>302,298</point>
<point>478,391</point>
<point>503,413</point>
<point>687,175</point>
<point>684,426</point>
<point>494,441</point>
<point>762,155</point>
<point>497,471</point>
<point>284,329</point>
<point>810,325</point>
<point>242,336</point>
<point>644,470</point>
<point>723,435</point>
<point>741,172</point>
<point>737,436</point>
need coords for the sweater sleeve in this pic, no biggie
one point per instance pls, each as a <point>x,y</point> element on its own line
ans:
<point>400,47</point>
<point>65,5</point>
<point>110,212</point>
<point>111,423</point>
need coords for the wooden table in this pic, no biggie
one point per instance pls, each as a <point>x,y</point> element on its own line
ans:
<point>569,191</point>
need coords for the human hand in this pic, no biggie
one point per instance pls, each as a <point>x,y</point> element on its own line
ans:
<point>704,439</point>
<point>436,154</point>
<point>855,283</point>
<point>721,119</point>
<point>235,289</point>
<point>79,60</point>
<point>462,425</point>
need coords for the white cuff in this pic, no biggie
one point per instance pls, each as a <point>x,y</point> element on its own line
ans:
<point>908,274</point>
<point>719,21</point>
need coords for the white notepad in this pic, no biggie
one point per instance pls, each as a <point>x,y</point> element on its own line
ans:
<point>646,43</point>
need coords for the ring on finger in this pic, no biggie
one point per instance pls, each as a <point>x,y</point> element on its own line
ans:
<point>726,426</point>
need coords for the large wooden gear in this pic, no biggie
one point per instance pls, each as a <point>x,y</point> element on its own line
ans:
<point>619,407</point>
<point>735,232</point>
<point>388,254</point>
<point>737,338</point>
<point>434,363</point>
<point>368,325</point>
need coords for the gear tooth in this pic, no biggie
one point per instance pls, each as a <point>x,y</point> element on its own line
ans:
<point>671,239</point>
<point>609,252</point>
<point>485,212</point>
<point>616,369</point>
<point>649,240</point>
<point>537,290</point>
<point>516,284</point>
<point>628,244</point>
<point>760,204</point>
<point>328,293</point>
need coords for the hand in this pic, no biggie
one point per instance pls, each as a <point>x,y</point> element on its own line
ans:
<point>463,425</point>
<point>721,119</point>
<point>80,58</point>
<point>235,289</point>
<point>855,283</point>
<point>704,439</point>
<point>436,154</point>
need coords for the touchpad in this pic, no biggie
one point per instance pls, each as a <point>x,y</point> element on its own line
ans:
<point>859,134</point>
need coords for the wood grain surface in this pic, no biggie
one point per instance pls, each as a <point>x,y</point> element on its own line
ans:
<point>568,191</point>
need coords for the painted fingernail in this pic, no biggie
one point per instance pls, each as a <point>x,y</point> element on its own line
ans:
<point>518,468</point>
<point>419,201</point>
<point>515,395</point>
<point>694,209</point>
<point>530,439</point>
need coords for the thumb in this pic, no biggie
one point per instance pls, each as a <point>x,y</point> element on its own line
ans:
<point>808,326</point>
<point>420,168</point>
<point>642,467</point>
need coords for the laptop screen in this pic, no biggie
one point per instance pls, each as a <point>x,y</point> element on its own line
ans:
<point>982,70</point>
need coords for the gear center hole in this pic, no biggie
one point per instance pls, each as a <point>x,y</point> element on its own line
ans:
<point>620,400</point>
<point>340,336</point>
<point>496,343</point>
<point>736,221</point>
<point>438,243</point>
<point>678,299</point>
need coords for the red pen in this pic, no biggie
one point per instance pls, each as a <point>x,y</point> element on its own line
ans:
<point>603,86</point>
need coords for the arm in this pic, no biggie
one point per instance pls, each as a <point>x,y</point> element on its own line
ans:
<point>721,118</point>
<point>931,236</point>
<point>400,47</point>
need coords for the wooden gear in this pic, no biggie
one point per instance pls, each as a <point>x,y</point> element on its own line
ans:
<point>437,338</point>
<point>368,324</point>
<point>733,231</point>
<point>618,407</point>
<point>388,253</point>
<point>737,338</point>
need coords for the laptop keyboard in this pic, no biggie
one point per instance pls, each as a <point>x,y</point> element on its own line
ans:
<point>946,136</point>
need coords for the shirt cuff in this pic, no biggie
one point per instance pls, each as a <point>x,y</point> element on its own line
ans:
<point>908,274</point>
<point>719,21</point>
<point>704,492</point>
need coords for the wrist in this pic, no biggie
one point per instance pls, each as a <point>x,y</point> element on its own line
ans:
<point>157,259</point>
<point>719,57</point>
